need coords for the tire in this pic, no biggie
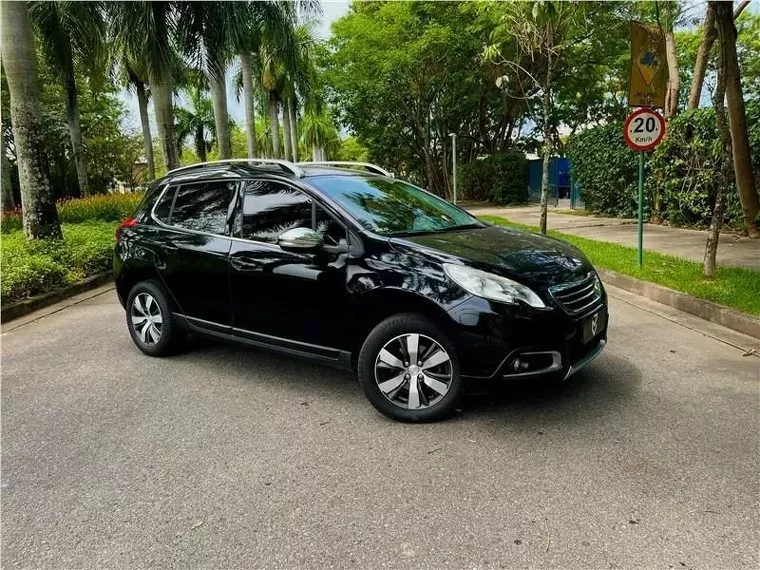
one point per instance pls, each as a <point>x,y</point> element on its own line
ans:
<point>148,304</point>
<point>410,393</point>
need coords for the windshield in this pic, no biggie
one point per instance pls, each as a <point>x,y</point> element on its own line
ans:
<point>392,207</point>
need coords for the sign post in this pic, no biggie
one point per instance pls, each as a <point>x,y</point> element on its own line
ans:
<point>643,130</point>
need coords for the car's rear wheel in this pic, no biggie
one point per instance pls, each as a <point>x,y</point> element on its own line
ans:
<point>150,320</point>
<point>409,370</point>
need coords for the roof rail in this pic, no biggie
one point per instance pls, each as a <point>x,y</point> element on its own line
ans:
<point>284,164</point>
<point>368,165</point>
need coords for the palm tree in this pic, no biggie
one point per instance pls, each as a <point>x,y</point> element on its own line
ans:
<point>269,23</point>
<point>40,217</point>
<point>70,31</point>
<point>132,75</point>
<point>319,134</point>
<point>301,76</point>
<point>197,121</point>
<point>145,32</point>
<point>210,33</point>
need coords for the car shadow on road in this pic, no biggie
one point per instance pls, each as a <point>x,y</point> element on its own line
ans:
<point>608,384</point>
<point>605,386</point>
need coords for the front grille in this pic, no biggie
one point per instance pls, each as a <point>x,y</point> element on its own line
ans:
<point>578,297</point>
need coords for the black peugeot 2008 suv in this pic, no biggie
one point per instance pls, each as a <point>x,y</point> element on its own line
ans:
<point>357,269</point>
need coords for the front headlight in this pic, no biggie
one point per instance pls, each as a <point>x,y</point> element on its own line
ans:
<point>490,286</point>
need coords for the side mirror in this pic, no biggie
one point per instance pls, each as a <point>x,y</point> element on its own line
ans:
<point>300,239</point>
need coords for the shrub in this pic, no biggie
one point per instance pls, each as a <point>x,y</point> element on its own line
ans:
<point>500,178</point>
<point>605,170</point>
<point>100,207</point>
<point>31,267</point>
<point>680,172</point>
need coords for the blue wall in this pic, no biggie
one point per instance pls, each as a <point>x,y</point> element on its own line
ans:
<point>559,178</point>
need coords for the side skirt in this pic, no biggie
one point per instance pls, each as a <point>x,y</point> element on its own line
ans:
<point>313,353</point>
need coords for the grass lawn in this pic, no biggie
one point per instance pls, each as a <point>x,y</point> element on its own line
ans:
<point>37,266</point>
<point>734,287</point>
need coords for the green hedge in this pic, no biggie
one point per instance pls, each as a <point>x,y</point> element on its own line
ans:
<point>500,178</point>
<point>31,267</point>
<point>681,171</point>
<point>101,207</point>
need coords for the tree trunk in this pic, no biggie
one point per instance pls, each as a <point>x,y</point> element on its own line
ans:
<point>248,100</point>
<point>200,144</point>
<point>745,178</point>
<point>546,101</point>
<point>286,129</point>
<point>318,153</point>
<point>294,128</point>
<point>674,79</point>
<point>142,102</point>
<point>75,131</point>
<point>274,124</point>
<point>713,235</point>
<point>709,33</point>
<point>7,201</point>
<point>162,89</point>
<point>221,117</point>
<point>40,217</point>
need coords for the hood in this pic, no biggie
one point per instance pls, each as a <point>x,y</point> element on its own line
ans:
<point>528,258</point>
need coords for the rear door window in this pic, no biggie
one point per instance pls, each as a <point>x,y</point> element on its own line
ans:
<point>271,208</point>
<point>204,206</point>
<point>163,208</point>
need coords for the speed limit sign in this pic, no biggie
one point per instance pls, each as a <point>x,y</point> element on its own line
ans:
<point>644,129</point>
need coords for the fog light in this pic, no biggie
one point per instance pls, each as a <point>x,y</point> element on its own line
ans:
<point>520,365</point>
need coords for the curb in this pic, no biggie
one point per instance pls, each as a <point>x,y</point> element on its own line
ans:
<point>713,312</point>
<point>21,308</point>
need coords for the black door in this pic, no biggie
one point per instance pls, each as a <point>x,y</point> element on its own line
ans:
<point>282,295</point>
<point>197,244</point>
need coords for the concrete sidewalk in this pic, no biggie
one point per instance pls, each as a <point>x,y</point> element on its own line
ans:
<point>733,251</point>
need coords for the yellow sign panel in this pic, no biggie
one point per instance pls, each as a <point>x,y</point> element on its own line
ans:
<point>649,68</point>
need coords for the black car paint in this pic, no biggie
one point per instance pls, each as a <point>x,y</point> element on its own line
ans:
<point>320,305</point>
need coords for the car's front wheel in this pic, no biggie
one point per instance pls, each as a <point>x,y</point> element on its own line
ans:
<point>150,320</point>
<point>409,370</point>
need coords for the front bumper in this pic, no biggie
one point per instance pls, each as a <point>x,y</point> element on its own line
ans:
<point>500,342</point>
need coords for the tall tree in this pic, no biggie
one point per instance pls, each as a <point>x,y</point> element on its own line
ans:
<point>70,31</point>
<point>142,103</point>
<point>210,34</point>
<point>146,32</point>
<point>668,14</point>
<point>269,28</point>
<point>249,104</point>
<point>713,235</point>
<point>196,122</point>
<point>709,33</point>
<point>745,177</point>
<point>133,76</point>
<point>40,217</point>
<point>542,32</point>
<point>7,200</point>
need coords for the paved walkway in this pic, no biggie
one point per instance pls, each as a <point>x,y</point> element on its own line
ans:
<point>733,250</point>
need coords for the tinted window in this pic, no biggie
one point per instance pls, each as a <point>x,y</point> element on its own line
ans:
<point>164,205</point>
<point>332,231</point>
<point>203,207</point>
<point>271,208</point>
<point>392,207</point>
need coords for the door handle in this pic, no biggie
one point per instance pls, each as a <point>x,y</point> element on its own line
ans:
<point>244,263</point>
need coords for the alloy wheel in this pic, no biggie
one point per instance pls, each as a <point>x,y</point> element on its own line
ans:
<point>147,320</point>
<point>413,371</point>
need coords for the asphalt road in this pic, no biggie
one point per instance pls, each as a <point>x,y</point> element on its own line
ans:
<point>225,457</point>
